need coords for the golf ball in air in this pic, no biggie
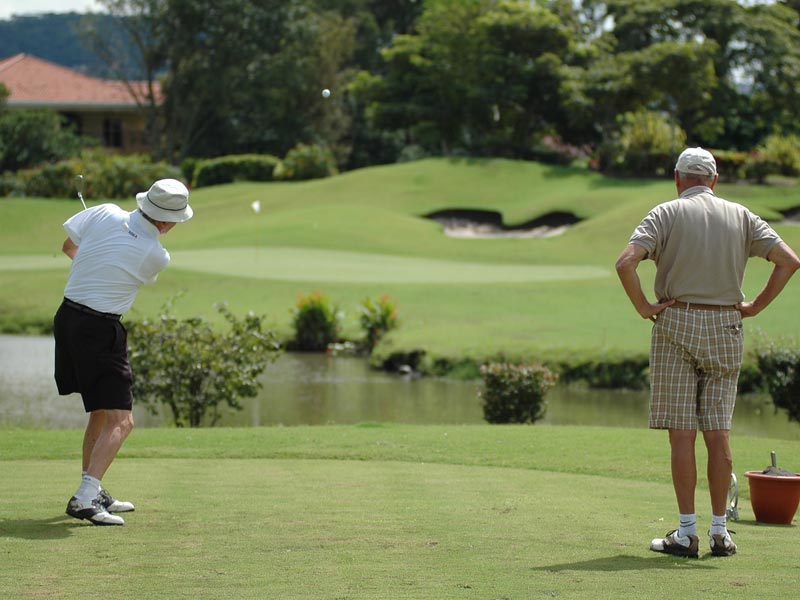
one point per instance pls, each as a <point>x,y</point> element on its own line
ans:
<point>326,93</point>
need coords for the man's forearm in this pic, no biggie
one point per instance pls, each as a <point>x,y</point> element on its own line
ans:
<point>778,279</point>
<point>633,288</point>
<point>69,248</point>
<point>786,263</point>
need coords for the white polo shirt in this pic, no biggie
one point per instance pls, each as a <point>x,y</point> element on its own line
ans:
<point>118,252</point>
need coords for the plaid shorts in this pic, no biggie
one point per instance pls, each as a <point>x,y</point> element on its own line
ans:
<point>695,358</point>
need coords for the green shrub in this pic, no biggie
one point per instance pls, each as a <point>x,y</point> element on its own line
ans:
<point>646,145</point>
<point>759,167</point>
<point>782,151</point>
<point>751,379</point>
<point>731,165</point>
<point>105,175</point>
<point>192,368</point>
<point>411,153</point>
<point>29,138</point>
<point>377,318</point>
<point>49,181</point>
<point>399,361</point>
<point>465,369</point>
<point>236,167</point>
<point>316,323</point>
<point>189,168</point>
<point>610,373</point>
<point>306,162</point>
<point>515,393</point>
<point>780,367</point>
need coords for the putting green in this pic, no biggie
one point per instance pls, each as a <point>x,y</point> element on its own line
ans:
<point>311,264</point>
<point>34,262</point>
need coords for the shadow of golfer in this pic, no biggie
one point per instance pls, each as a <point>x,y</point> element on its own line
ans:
<point>623,562</point>
<point>52,528</point>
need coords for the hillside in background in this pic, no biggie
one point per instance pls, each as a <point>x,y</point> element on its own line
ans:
<point>53,37</point>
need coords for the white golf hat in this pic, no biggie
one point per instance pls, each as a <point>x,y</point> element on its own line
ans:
<point>696,161</point>
<point>166,200</point>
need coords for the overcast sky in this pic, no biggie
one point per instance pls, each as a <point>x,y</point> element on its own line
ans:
<point>28,7</point>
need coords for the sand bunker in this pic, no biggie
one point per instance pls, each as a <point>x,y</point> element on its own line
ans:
<point>482,224</point>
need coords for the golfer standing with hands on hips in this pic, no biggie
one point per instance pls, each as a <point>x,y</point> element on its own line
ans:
<point>114,253</point>
<point>700,244</point>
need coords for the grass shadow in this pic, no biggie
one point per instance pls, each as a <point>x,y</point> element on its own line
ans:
<point>754,523</point>
<point>623,562</point>
<point>53,528</point>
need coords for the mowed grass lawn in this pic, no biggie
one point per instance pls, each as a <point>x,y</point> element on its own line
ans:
<point>362,234</point>
<point>377,512</point>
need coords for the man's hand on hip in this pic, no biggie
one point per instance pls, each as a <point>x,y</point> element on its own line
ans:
<point>651,311</point>
<point>747,309</point>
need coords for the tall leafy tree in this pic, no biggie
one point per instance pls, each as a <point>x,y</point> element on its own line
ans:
<point>314,53</point>
<point>754,56</point>
<point>137,25</point>
<point>481,76</point>
<point>236,76</point>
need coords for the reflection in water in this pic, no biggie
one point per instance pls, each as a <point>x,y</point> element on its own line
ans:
<point>314,389</point>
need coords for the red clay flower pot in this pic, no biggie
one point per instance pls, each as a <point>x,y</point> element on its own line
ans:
<point>774,499</point>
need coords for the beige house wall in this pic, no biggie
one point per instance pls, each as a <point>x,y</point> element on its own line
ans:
<point>116,130</point>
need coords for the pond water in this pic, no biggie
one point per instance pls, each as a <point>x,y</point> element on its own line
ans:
<point>315,389</point>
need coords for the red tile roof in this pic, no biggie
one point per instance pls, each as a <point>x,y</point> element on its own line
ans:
<point>36,83</point>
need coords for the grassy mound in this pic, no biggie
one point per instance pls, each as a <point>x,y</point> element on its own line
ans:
<point>362,234</point>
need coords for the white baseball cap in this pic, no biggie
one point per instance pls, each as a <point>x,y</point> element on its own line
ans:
<point>696,161</point>
<point>166,200</point>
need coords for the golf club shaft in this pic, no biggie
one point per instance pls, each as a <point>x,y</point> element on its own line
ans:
<point>79,185</point>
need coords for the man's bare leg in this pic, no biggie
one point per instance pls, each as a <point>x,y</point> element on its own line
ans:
<point>720,467</point>
<point>94,427</point>
<point>104,436</point>
<point>684,467</point>
<point>116,427</point>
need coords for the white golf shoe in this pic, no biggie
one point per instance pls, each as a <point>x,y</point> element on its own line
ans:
<point>94,513</point>
<point>113,505</point>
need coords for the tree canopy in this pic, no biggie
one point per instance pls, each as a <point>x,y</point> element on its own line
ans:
<point>475,77</point>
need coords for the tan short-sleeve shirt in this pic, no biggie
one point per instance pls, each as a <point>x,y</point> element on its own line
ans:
<point>700,244</point>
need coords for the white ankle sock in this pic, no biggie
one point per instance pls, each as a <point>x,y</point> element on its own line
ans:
<point>688,525</point>
<point>89,489</point>
<point>718,524</point>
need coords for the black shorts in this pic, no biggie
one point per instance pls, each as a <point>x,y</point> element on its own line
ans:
<point>92,358</point>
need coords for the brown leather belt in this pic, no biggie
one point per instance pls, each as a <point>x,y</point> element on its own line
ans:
<point>698,306</point>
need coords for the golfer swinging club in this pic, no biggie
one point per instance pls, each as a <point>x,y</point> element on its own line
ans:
<point>113,254</point>
<point>700,244</point>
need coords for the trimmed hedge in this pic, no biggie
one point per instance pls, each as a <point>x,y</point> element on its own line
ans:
<point>235,167</point>
<point>515,393</point>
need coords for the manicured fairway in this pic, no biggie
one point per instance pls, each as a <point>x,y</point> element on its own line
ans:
<point>34,262</point>
<point>309,264</point>
<point>374,512</point>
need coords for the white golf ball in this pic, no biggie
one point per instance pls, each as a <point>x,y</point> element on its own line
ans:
<point>326,93</point>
